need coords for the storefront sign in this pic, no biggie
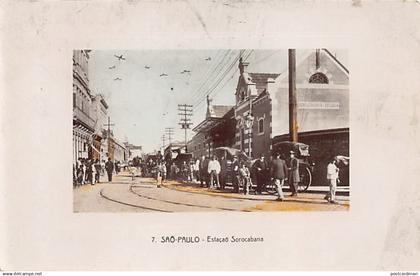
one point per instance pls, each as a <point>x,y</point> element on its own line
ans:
<point>318,105</point>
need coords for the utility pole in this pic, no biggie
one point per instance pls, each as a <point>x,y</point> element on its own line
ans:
<point>163,142</point>
<point>293,127</point>
<point>169,131</point>
<point>109,124</point>
<point>185,122</point>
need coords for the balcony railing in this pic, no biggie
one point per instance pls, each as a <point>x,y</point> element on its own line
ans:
<point>83,117</point>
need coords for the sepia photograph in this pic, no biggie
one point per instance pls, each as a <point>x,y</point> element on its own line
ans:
<point>242,130</point>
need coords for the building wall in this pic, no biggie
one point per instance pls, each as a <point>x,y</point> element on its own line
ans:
<point>199,145</point>
<point>119,152</point>
<point>83,124</point>
<point>261,141</point>
<point>320,106</point>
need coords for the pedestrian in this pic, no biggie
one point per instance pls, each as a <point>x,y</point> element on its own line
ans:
<point>294,178</point>
<point>245,177</point>
<point>184,171</point>
<point>191,170</point>
<point>80,175</point>
<point>84,171</point>
<point>164,171</point>
<point>102,167</point>
<point>98,169</point>
<point>214,170</point>
<point>279,173</point>
<point>109,166</point>
<point>89,171</point>
<point>223,172</point>
<point>173,171</point>
<point>159,175</point>
<point>197,169</point>
<point>235,174</point>
<point>203,171</point>
<point>262,170</point>
<point>332,177</point>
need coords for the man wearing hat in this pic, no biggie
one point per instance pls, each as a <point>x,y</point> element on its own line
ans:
<point>279,174</point>
<point>261,167</point>
<point>235,174</point>
<point>294,177</point>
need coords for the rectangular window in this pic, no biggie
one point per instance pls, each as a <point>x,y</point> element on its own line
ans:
<point>261,125</point>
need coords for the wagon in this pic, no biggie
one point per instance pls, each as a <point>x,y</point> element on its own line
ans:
<point>302,154</point>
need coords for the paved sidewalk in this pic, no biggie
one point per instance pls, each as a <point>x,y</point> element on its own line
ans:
<point>303,202</point>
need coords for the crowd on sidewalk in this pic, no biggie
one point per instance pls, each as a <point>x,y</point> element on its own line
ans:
<point>90,171</point>
<point>214,173</point>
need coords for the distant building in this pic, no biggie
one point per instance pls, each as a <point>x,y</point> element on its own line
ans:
<point>216,130</point>
<point>99,114</point>
<point>133,150</point>
<point>83,123</point>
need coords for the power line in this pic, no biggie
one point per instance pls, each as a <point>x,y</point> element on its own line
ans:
<point>217,78</point>
<point>199,94</point>
<point>225,73</point>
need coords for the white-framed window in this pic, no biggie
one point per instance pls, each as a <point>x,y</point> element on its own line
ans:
<point>261,125</point>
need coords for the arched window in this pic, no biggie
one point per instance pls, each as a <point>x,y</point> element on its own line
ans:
<point>318,78</point>
<point>261,125</point>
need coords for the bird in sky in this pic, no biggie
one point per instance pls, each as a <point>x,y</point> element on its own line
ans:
<point>163,75</point>
<point>117,79</point>
<point>120,57</point>
<point>111,67</point>
<point>185,71</point>
<point>147,67</point>
<point>208,59</point>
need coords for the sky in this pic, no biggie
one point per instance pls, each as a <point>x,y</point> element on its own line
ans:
<point>143,103</point>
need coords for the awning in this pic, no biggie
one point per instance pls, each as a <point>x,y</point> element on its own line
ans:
<point>207,124</point>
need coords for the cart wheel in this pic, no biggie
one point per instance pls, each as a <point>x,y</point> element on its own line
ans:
<point>305,179</point>
<point>271,188</point>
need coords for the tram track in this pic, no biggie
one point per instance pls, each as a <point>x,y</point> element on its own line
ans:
<point>101,193</point>
<point>182,203</point>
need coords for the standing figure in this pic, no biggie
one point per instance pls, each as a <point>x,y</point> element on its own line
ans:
<point>294,178</point>
<point>160,174</point>
<point>203,171</point>
<point>223,172</point>
<point>262,170</point>
<point>245,177</point>
<point>279,174</point>
<point>89,171</point>
<point>184,169</point>
<point>332,176</point>
<point>109,167</point>
<point>97,170</point>
<point>164,171</point>
<point>191,171</point>
<point>197,169</point>
<point>214,170</point>
<point>235,174</point>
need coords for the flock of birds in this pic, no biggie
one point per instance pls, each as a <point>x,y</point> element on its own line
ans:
<point>122,58</point>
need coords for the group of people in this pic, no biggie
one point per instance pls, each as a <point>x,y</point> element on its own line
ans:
<point>213,173</point>
<point>89,171</point>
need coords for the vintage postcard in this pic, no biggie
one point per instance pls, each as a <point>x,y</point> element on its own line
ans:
<point>230,130</point>
<point>209,135</point>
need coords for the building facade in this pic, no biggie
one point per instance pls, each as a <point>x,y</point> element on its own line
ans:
<point>83,123</point>
<point>100,115</point>
<point>216,130</point>
<point>262,105</point>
